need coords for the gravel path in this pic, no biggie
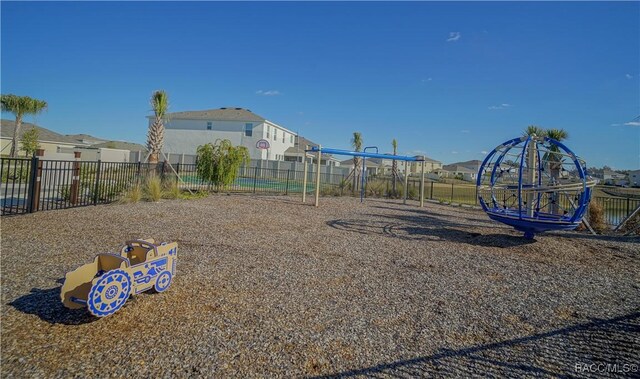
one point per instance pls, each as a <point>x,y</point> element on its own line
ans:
<point>267,286</point>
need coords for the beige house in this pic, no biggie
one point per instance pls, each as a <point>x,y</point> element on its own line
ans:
<point>59,146</point>
<point>379,166</point>
<point>297,152</point>
<point>50,141</point>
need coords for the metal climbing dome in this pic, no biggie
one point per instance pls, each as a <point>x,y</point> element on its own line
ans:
<point>534,184</point>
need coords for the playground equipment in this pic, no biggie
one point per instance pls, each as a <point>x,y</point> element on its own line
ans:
<point>534,184</point>
<point>104,285</point>
<point>363,154</point>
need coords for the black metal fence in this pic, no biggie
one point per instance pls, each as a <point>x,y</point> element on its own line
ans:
<point>616,209</point>
<point>31,185</point>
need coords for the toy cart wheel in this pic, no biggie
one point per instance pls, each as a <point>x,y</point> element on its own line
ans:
<point>109,293</point>
<point>164,281</point>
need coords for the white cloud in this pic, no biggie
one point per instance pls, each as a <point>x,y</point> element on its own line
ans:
<point>628,76</point>
<point>500,106</point>
<point>484,152</point>
<point>271,92</point>
<point>632,123</point>
<point>615,124</point>
<point>454,36</point>
<point>464,131</point>
<point>454,152</point>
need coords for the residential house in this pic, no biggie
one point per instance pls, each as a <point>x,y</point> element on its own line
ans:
<point>185,131</point>
<point>634,178</point>
<point>297,152</point>
<point>51,142</point>
<point>374,166</point>
<point>430,165</point>
<point>58,146</point>
<point>458,171</point>
<point>615,178</point>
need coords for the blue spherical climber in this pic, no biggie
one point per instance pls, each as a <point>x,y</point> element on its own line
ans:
<point>534,184</point>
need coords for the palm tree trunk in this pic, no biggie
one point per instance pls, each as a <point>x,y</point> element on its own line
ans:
<point>154,141</point>
<point>356,176</point>
<point>16,135</point>
<point>555,177</point>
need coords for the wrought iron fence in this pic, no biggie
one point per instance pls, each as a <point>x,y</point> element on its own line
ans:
<point>30,185</point>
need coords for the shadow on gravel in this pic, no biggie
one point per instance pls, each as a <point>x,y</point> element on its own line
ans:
<point>430,232</point>
<point>565,353</point>
<point>46,304</point>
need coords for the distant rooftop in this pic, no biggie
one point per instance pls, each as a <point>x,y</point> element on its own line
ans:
<point>8,126</point>
<point>222,114</point>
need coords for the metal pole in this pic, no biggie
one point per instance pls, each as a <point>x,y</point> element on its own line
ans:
<point>255,179</point>
<point>318,175</point>
<point>422,186</point>
<point>75,179</point>
<point>286,190</point>
<point>364,170</point>
<point>304,179</point>
<point>406,181</point>
<point>96,189</point>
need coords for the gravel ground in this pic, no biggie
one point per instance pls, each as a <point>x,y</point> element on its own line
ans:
<point>270,287</point>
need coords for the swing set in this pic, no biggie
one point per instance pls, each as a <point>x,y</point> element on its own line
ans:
<point>319,150</point>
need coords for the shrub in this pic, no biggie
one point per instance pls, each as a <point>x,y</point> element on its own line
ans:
<point>195,195</point>
<point>133,194</point>
<point>153,188</point>
<point>375,188</point>
<point>65,192</point>
<point>219,162</point>
<point>170,188</point>
<point>596,216</point>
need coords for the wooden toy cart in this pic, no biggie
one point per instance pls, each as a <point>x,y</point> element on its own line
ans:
<point>104,285</point>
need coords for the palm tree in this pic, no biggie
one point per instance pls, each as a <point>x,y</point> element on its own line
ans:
<point>533,129</point>
<point>20,106</point>
<point>356,143</point>
<point>554,157</point>
<point>155,136</point>
<point>394,165</point>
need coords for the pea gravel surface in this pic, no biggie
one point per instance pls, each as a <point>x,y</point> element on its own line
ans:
<point>269,287</point>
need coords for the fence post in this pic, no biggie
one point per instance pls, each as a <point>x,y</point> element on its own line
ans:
<point>34,181</point>
<point>304,177</point>
<point>628,208</point>
<point>286,190</point>
<point>96,189</point>
<point>451,201</point>
<point>406,181</point>
<point>255,179</point>
<point>75,179</point>
<point>476,195</point>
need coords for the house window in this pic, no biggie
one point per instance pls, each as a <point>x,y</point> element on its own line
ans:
<point>284,135</point>
<point>275,134</point>
<point>248,130</point>
<point>291,138</point>
<point>209,125</point>
<point>268,131</point>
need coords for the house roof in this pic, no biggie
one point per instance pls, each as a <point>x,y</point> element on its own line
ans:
<point>122,145</point>
<point>221,114</point>
<point>458,168</point>
<point>86,138</point>
<point>469,164</point>
<point>369,162</point>
<point>8,126</point>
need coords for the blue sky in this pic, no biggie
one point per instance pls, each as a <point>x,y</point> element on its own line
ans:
<point>451,80</point>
